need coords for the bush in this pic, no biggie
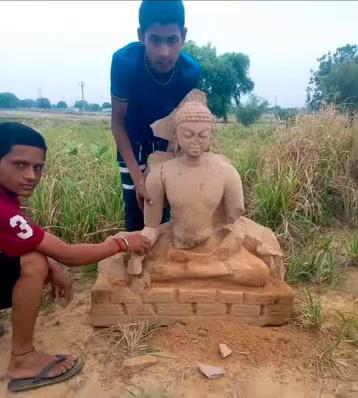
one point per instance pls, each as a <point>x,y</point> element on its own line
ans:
<point>93,108</point>
<point>61,105</point>
<point>252,111</point>
<point>9,100</point>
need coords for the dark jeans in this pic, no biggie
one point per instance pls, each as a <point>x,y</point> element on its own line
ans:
<point>9,274</point>
<point>134,215</point>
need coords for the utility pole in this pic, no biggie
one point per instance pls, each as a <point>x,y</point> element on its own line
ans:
<point>82,85</point>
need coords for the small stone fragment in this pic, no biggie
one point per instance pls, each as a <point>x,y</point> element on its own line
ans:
<point>203,332</point>
<point>224,351</point>
<point>211,372</point>
<point>136,364</point>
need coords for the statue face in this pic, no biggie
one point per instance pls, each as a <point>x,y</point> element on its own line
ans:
<point>194,137</point>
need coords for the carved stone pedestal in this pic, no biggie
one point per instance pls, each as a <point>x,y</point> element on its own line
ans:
<point>113,301</point>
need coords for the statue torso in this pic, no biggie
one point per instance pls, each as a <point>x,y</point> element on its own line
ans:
<point>194,194</point>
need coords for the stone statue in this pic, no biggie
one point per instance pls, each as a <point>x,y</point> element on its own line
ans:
<point>206,235</point>
<point>209,260</point>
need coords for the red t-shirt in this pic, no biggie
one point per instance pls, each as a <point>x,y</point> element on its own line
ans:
<point>18,236</point>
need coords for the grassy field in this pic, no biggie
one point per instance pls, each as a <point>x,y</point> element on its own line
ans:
<point>294,177</point>
<point>295,181</point>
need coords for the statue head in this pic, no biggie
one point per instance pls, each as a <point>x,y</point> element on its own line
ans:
<point>190,125</point>
<point>193,123</point>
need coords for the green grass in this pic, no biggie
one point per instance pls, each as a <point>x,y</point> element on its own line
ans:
<point>309,312</point>
<point>79,198</point>
<point>348,326</point>
<point>352,249</point>
<point>319,263</point>
<point>294,178</point>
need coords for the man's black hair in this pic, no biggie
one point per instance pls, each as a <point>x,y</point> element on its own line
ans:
<point>12,133</point>
<point>163,12</point>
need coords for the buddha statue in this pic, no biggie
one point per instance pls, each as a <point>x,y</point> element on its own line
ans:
<point>207,236</point>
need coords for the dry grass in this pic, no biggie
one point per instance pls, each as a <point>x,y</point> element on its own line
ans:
<point>352,249</point>
<point>130,339</point>
<point>313,153</point>
<point>309,313</point>
<point>329,361</point>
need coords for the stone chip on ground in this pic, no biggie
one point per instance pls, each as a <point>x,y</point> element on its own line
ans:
<point>211,372</point>
<point>136,364</point>
<point>224,351</point>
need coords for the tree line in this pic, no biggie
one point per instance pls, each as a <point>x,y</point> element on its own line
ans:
<point>11,101</point>
<point>225,79</point>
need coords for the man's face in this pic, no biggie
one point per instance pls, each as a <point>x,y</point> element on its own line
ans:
<point>21,169</point>
<point>194,138</point>
<point>162,44</point>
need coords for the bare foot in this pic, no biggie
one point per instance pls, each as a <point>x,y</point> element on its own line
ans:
<point>30,365</point>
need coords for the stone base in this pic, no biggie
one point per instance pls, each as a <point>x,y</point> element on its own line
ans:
<point>112,301</point>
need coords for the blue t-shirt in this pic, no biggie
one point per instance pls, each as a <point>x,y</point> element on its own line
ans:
<point>147,100</point>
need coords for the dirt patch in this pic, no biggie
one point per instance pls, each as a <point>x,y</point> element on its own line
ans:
<point>266,362</point>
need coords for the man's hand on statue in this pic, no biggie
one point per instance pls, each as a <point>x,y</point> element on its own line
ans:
<point>138,243</point>
<point>142,195</point>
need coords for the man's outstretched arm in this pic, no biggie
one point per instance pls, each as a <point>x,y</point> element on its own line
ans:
<point>119,110</point>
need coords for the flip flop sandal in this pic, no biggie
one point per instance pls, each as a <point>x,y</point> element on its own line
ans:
<point>41,380</point>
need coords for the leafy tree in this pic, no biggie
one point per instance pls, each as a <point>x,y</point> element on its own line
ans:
<point>336,80</point>
<point>9,100</point>
<point>28,103</point>
<point>251,111</point>
<point>81,105</point>
<point>106,105</point>
<point>43,103</point>
<point>224,78</point>
<point>61,105</point>
<point>243,84</point>
<point>93,107</point>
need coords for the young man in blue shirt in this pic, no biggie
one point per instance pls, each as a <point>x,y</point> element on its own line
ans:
<point>149,78</point>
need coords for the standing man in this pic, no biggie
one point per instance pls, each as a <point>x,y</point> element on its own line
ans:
<point>149,78</point>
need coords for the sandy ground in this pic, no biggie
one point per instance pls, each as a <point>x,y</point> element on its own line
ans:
<point>268,362</point>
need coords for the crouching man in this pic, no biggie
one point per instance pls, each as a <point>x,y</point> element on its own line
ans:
<point>27,255</point>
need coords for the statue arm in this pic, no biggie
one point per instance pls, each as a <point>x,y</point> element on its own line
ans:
<point>153,212</point>
<point>233,195</point>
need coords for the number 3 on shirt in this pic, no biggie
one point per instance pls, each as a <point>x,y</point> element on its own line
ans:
<point>26,230</point>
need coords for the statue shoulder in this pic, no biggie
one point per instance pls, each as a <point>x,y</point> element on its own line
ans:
<point>222,163</point>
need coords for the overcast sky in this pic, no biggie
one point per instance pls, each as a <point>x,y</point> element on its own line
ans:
<point>52,46</point>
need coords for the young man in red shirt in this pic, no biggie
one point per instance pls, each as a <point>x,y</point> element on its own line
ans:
<point>27,255</point>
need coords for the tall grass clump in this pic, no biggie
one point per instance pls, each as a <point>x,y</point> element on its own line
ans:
<point>304,181</point>
<point>79,197</point>
<point>316,149</point>
<point>319,262</point>
<point>352,249</point>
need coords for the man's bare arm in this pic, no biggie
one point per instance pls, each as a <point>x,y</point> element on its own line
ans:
<point>119,110</point>
<point>81,254</point>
